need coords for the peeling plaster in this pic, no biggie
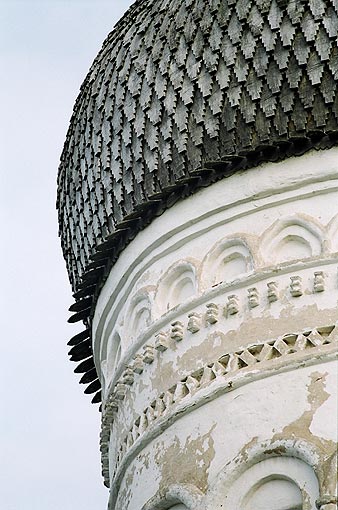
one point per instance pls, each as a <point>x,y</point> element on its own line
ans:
<point>186,463</point>
<point>275,401</point>
<point>300,428</point>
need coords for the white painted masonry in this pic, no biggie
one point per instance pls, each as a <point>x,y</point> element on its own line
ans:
<point>215,339</point>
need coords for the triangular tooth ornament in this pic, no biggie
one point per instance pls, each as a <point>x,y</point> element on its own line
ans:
<point>265,354</point>
<point>315,338</point>
<point>168,399</point>
<point>207,377</point>
<point>180,392</point>
<point>301,343</point>
<point>192,384</point>
<point>218,369</point>
<point>150,414</point>
<point>159,407</point>
<point>143,424</point>
<point>247,358</point>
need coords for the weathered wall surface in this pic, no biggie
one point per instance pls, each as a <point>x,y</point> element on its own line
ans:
<point>215,339</point>
<point>281,415</point>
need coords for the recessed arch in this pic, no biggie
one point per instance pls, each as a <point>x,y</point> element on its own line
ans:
<point>112,357</point>
<point>292,238</point>
<point>177,285</point>
<point>176,497</point>
<point>139,313</point>
<point>227,260</point>
<point>273,493</point>
<point>267,468</point>
<point>332,231</point>
<point>277,483</point>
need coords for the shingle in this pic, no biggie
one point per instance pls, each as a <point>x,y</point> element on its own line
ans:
<point>181,82</point>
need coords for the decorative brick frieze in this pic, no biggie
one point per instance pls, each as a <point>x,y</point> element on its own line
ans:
<point>296,286</point>
<point>272,294</point>
<point>157,296</point>
<point>128,376</point>
<point>212,312</point>
<point>177,331</point>
<point>194,322</point>
<point>138,365</point>
<point>253,297</point>
<point>232,305</point>
<point>120,391</point>
<point>319,281</point>
<point>161,341</point>
<point>148,354</point>
<point>227,364</point>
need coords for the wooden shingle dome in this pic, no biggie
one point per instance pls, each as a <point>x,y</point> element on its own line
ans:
<point>184,93</point>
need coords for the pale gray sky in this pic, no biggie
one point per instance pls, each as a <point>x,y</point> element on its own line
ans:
<point>48,428</point>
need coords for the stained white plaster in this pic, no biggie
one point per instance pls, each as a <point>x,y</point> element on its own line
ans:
<point>226,313</point>
<point>257,414</point>
<point>324,422</point>
<point>306,209</point>
<point>250,411</point>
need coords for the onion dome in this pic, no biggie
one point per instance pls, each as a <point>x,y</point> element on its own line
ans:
<point>183,93</point>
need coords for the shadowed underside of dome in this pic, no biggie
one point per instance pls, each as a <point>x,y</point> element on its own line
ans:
<point>182,94</point>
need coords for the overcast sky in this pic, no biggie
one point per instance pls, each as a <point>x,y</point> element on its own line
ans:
<point>48,428</point>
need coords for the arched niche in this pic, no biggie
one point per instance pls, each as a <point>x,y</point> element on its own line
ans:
<point>274,494</point>
<point>113,356</point>
<point>292,238</point>
<point>139,314</point>
<point>177,285</point>
<point>226,261</point>
<point>277,483</point>
<point>176,497</point>
<point>166,505</point>
<point>332,230</point>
